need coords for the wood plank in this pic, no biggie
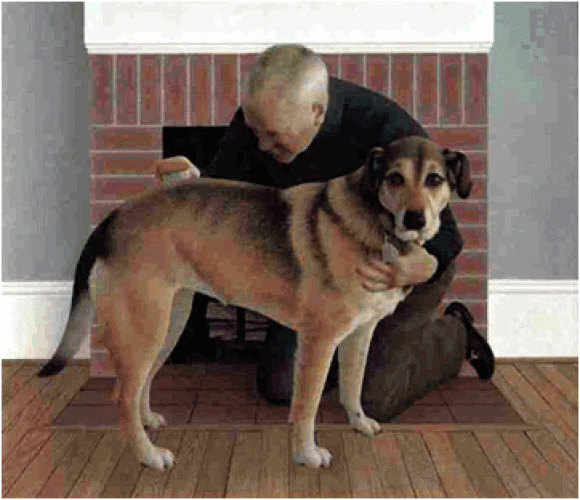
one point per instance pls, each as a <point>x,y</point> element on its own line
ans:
<point>568,388</point>
<point>567,412</point>
<point>454,478</point>
<point>394,476</point>
<point>213,478</point>
<point>39,469</point>
<point>570,371</point>
<point>50,401</point>
<point>16,405</point>
<point>303,482</point>
<point>121,483</point>
<point>511,472</point>
<point>361,464</point>
<point>483,475</point>
<point>185,473</point>
<point>334,480</point>
<point>545,414</point>
<point>549,481</point>
<point>9,367</point>
<point>244,476</point>
<point>151,483</point>
<point>554,454</point>
<point>95,475</point>
<point>422,472</point>
<point>16,462</point>
<point>14,377</point>
<point>518,403</point>
<point>70,465</point>
<point>276,450</point>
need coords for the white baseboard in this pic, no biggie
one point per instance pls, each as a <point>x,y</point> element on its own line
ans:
<point>34,315</point>
<point>533,318</point>
<point>526,318</point>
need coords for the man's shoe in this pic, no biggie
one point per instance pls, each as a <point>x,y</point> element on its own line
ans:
<point>478,351</point>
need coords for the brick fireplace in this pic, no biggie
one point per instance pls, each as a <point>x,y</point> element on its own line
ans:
<point>134,95</point>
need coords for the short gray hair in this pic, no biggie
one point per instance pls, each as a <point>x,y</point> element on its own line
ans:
<point>300,67</point>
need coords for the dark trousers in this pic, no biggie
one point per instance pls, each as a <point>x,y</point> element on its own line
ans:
<point>411,352</point>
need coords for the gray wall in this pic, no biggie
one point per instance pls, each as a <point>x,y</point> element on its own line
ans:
<point>533,142</point>
<point>45,140</point>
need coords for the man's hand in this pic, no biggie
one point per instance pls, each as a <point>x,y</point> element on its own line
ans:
<point>411,269</point>
<point>175,169</point>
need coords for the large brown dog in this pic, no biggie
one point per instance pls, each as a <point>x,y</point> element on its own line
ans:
<point>289,254</point>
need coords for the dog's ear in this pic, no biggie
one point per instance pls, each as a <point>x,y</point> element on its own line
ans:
<point>377,166</point>
<point>459,172</point>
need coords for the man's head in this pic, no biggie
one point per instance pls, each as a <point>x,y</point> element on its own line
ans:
<point>287,100</point>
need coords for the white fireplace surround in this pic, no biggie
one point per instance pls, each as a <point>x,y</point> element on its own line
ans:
<point>246,27</point>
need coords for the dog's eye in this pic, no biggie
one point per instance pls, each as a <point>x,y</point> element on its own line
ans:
<point>394,180</point>
<point>434,180</point>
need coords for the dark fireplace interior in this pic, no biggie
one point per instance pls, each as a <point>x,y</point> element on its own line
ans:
<point>205,337</point>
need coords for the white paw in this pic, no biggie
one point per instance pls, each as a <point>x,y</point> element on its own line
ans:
<point>364,424</point>
<point>158,458</point>
<point>313,457</point>
<point>154,420</point>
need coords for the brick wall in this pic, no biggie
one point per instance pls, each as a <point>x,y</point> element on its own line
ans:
<point>133,96</point>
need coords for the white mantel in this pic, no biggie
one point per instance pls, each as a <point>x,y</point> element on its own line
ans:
<point>246,27</point>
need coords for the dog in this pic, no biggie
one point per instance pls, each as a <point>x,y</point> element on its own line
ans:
<point>288,254</point>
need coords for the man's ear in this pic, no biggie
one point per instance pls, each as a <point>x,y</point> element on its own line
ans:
<point>319,113</point>
<point>459,171</point>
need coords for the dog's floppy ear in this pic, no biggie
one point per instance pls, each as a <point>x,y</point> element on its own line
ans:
<point>377,166</point>
<point>457,165</point>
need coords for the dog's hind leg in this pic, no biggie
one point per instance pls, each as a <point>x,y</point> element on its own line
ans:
<point>138,328</point>
<point>180,311</point>
<point>352,359</point>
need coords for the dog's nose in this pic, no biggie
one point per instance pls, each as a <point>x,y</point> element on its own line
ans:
<point>414,219</point>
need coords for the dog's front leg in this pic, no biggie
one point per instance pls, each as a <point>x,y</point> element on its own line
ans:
<point>352,359</point>
<point>311,366</point>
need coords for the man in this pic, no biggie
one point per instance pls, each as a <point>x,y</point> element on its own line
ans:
<point>298,125</point>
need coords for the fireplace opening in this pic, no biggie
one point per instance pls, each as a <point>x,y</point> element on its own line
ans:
<point>213,332</point>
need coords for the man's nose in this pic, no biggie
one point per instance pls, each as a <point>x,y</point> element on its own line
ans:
<point>265,143</point>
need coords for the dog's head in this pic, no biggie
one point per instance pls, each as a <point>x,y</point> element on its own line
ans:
<point>413,178</point>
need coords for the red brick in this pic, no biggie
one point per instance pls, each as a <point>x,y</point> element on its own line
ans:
<point>378,73</point>
<point>403,81</point>
<point>474,238</point>
<point>427,89</point>
<point>126,85</point>
<point>123,163</point>
<point>469,139</point>
<point>451,89</point>
<point>472,263</point>
<point>151,90</point>
<point>331,61</point>
<point>119,188</point>
<point>200,67</point>
<point>353,68</point>
<point>101,89</point>
<point>126,138</point>
<point>476,89</point>
<point>478,164</point>
<point>469,212</point>
<point>469,288</point>
<point>246,62</point>
<point>226,89</point>
<point>175,77</point>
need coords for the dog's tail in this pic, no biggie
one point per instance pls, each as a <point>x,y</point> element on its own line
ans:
<point>81,311</point>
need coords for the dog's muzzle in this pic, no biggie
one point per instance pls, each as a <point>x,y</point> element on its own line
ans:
<point>414,220</point>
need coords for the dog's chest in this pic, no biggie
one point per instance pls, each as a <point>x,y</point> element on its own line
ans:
<point>377,305</point>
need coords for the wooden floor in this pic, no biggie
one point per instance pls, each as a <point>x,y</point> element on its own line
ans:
<point>539,459</point>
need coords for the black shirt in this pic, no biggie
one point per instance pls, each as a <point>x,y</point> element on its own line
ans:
<point>357,119</point>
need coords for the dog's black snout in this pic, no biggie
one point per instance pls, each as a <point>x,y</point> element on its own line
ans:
<point>414,219</point>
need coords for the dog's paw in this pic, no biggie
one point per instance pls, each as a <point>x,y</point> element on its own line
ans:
<point>313,457</point>
<point>364,424</point>
<point>158,458</point>
<point>154,420</point>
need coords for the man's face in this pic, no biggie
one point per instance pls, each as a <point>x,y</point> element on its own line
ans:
<point>283,130</point>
